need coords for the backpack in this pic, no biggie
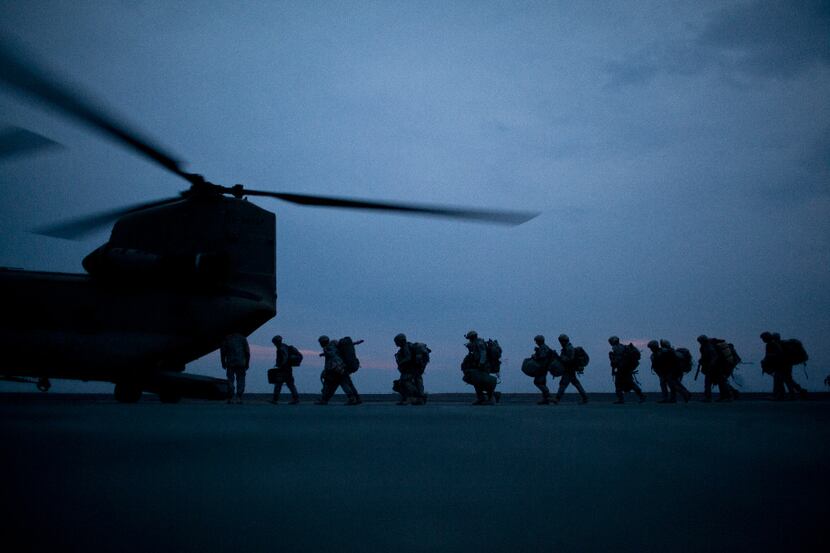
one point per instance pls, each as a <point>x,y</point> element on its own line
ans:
<point>581,358</point>
<point>345,348</point>
<point>726,353</point>
<point>420,355</point>
<point>295,358</point>
<point>493,355</point>
<point>794,352</point>
<point>684,359</point>
<point>631,356</point>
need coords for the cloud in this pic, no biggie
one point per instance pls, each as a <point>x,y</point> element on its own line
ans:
<point>762,39</point>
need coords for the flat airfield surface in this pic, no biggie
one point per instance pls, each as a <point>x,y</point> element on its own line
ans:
<point>94,475</point>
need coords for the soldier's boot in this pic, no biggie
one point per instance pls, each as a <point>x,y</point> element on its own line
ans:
<point>620,398</point>
<point>294,401</point>
<point>497,396</point>
<point>642,397</point>
<point>545,398</point>
<point>480,397</point>
<point>321,402</point>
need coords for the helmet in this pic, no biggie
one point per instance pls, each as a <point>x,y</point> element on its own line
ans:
<point>665,343</point>
<point>539,339</point>
<point>400,339</point>
<point>702,338</point>
<point>471,335</point>
<point>613,340</point>
<point>323,340</point>
<point>653,344</point>
<point>776,336</point>
<point>766,336</point>
<point>563,339</point>
<point>276,339</point>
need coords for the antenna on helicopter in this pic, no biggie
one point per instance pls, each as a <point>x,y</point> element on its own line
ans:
<point>21,74</point>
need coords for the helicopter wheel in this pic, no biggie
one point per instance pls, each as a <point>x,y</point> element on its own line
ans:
<point>126,392</point>
<point>169,397</point>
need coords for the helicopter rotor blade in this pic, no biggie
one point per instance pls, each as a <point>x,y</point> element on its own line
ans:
<point>15,141</point>
<point>22,74</point>
<point>74,229</point>
<point>503,217</point>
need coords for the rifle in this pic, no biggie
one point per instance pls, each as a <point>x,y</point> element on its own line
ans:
<point>698,370</point>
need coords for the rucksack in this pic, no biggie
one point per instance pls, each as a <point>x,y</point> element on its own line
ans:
<point>345,348</point>
<point>295,358</point>
<point>631,356</point>
<point>420,355</point>
<point>726,353</point>
<point>493,355</point>
<point>794,351</point>
<point>532,368</point>
<point>581,358</point>
<point>684,359</point>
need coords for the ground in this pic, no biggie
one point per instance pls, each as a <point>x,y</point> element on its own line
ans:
<point>93,475</point>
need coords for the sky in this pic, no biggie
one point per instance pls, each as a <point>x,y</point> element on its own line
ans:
<point>679,154</point>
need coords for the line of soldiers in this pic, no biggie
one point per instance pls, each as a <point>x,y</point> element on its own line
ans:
<point>482,364</point>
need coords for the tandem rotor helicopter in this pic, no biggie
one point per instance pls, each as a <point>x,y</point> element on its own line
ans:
<point>176,275</point>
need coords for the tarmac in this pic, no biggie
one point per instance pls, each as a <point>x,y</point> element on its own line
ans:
<point>83,473</point>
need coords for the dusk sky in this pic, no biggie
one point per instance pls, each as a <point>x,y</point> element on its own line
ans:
<point>679,153</point>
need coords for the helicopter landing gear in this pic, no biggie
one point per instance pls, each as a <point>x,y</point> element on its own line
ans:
<point>43,384</point>
<point>127,392</point>
<point>167,396</point>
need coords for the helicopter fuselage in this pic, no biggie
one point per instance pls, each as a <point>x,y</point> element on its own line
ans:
<point>166,288</point>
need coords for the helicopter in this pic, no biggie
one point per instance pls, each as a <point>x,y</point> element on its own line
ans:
<point>176,276</point>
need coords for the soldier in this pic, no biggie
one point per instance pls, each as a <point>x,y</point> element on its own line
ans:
<point>777,363</point>
<point>713,371</point>
<point>661,365</point>
<point>335,374</point>
<point>571,366</point>
<point>623,366</point>
<point>664,361</point>
<point>544,356</point>
<point>411,383</point>
<point>235,355</point>
<point>345,347</point>
<point>476,370</point>
<point>283,371</point>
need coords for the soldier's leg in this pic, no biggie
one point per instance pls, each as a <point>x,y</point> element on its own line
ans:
<point>564,380</point>
<point>541,383</point>
<point>295,396</point>
<point>793,386</point>
<point>419,386</point>
<point>725,394</point>
<point>240,384</point>
<point>350,390</point>
<point>277,390</point>
<point>619,389</point>
<point>229,373</point>
<point>330,384</point>
<point>664,389</point>
<point>707,388</point>
<point>679,388</point>
<point>578,385</point>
